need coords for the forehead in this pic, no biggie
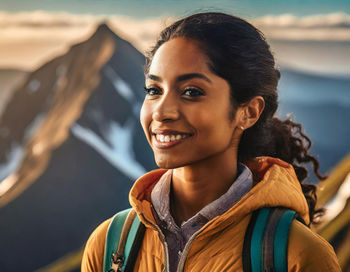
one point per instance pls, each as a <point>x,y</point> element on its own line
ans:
<point>179,54</point>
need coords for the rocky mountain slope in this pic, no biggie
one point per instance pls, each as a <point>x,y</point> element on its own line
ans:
<point>10,79</point>
<point>70,149</point>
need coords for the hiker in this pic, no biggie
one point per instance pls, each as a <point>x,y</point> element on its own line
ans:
<point>229,194</point>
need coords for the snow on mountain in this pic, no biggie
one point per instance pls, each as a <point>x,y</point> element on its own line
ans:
<point>119,84</point>
<point>13,160</point>
<point>120,154</point>
<point>16,153</point>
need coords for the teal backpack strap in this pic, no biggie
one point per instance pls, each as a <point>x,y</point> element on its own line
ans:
<point>253,239</point>
<point>281,241</point>
<point>119,240</point>
<point>269,238</point>
<point>113,236</point>
<point>266,240</point>
<point>256,253</point>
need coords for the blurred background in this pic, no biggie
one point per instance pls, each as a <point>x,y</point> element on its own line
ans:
<point>71,87</point>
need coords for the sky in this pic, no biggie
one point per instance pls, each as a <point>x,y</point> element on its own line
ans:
<point>312,35</point>
<point>150,8</point>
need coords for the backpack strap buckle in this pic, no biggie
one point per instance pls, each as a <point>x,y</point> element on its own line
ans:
<point>125,232</point>
<point>117,262</point>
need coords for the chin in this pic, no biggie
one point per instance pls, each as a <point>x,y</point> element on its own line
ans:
<point>170,163</point>
<point>167,163</point>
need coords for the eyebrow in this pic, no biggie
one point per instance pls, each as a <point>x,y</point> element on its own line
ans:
<point>181,77</point>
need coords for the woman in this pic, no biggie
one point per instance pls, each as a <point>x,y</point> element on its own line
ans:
<point>208,114</point>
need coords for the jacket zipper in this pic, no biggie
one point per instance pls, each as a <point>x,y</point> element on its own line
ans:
<point>164,244</point>
<point>181,264</point>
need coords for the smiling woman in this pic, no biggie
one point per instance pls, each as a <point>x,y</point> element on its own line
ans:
<point>208,114</point>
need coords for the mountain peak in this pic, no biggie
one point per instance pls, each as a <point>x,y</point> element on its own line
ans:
<point>103,28</point>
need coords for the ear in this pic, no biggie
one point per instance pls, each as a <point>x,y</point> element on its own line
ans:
<point>250,112</point>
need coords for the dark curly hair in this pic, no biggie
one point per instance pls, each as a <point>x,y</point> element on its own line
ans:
<point>239,53</point>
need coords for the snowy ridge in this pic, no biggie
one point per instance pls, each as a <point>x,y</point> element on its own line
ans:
<point>120,152</point>
<point>16,154</point>
<point>14,159</point>
<point>33,127</point>
<point>119,84</point>
<point>123,89</point>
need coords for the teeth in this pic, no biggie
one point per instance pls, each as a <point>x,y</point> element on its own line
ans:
<point>169,138</point>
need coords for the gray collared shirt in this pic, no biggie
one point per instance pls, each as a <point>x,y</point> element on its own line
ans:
<point>177,236</point>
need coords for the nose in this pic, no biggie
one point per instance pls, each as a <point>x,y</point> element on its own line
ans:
<point>166,109</point>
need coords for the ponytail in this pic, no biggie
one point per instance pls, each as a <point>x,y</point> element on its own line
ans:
<point>284,140</point>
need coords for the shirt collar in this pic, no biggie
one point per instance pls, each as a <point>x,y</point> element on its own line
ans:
<point>160,195</point>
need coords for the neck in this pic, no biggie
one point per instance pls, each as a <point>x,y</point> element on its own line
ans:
<point>195,186</point>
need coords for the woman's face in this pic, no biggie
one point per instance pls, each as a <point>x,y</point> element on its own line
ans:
<point>185,114</point>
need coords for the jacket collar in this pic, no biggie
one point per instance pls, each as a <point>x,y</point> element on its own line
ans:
<point>275,184</point>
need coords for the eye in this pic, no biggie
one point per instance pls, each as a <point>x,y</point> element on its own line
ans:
<point>193,92</point>
<point>152,91</point>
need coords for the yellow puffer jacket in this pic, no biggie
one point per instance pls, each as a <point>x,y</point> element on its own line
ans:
<point>217,247</point>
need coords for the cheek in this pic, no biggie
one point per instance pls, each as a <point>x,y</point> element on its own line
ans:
<point>214,125</point>
<point>145,118</point>
<point>209,118</point>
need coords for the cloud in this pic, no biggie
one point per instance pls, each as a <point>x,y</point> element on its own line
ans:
<point>29,39</point>
<point>37,19</point>
<point>329,27</point>
<point>335,26</point>
<point>333,20</point>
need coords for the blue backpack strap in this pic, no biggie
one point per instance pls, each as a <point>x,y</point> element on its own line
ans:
<point>266,240</point>
<point>281,241</point>
<point>134,251</point>
<point>134,230</point>
<point>256,253</point>
<point>119,239</point>
<point>269,238</point>
<point>251,253</point>
<point>113,236</point>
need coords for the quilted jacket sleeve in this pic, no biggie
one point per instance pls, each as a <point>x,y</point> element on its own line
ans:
<point>308,252</point>
<point>94,249</point>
